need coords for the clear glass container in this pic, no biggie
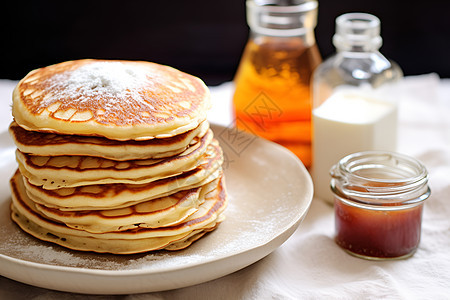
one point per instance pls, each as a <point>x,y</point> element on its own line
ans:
<point>272,83</point>
<point>354,98</point>
<point>378,204</point>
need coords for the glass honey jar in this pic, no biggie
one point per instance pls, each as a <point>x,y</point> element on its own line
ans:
<point>379,198</point>
<point>272,83</point>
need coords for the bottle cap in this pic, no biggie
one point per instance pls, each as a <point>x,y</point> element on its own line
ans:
<point>282,18</point>
<point>355,30</point>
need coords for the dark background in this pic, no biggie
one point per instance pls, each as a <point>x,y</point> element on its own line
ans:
<point>201,37</point>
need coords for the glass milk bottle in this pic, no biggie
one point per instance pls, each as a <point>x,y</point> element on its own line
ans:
<point>354,100</point>
<point>272,83</point>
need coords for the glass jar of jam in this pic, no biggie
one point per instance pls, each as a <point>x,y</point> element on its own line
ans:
<point>378,203</point>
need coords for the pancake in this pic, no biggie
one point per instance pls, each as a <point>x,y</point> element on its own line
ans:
<point>54,172</point>
<point>161,212</point>
<point>111,196</point>
<point>44,144</point>
<point>206,218</point>
<point>195,235</point>
<point>119,100</point>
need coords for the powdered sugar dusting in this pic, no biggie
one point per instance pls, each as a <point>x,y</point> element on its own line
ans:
<point>114,80</point>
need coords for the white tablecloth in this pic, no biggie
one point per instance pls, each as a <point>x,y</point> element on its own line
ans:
<point>309,265</point>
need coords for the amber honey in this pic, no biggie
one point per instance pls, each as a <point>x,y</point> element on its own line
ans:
<point>272,96</point>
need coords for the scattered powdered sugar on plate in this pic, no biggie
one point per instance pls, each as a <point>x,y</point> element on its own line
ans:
<point>27,248</point>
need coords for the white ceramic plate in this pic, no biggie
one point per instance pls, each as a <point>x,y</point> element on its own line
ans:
<point>270,192</point>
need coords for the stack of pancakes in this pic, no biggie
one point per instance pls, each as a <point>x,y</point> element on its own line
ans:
<point>115,156</point>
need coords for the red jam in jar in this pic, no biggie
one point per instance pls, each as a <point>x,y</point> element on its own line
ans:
<point>379,199</point>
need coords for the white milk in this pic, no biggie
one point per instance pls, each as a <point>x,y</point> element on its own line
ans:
<point>347,122</point>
